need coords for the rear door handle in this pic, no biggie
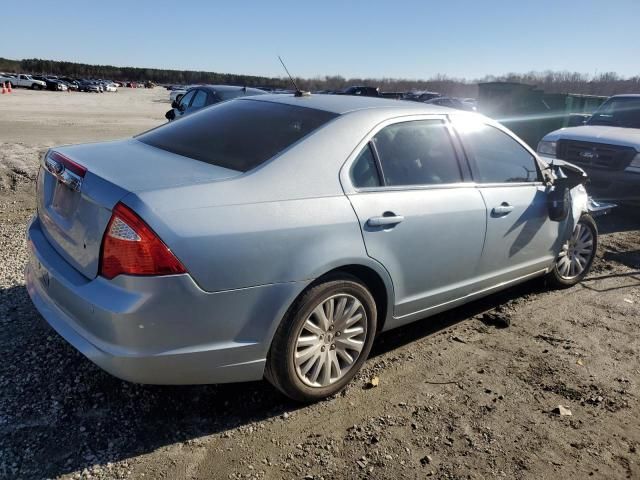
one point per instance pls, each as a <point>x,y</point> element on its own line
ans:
<point>385,220</point>
<point>503,209</point>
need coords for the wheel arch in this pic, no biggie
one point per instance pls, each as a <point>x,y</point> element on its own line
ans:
<point>371,274</point>
<point>381,290</point>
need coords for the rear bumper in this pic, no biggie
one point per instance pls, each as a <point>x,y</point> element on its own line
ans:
<point>157,330</point>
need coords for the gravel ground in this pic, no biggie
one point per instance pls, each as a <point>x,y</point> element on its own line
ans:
<point>460,395</point>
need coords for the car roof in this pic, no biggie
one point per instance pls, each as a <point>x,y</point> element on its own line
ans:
<point>341,104</point>
<point>226,88</point>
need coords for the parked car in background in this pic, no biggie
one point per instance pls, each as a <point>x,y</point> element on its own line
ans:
<point>205,95</point>
<point>71,83</point>
<point>177,92</point>
<point>450,103</point>
<point>472,103</point>
<point>362,91</point>
<point>88,86</point>
<point>111,87</point>
<point>274,236</point>
<point>6,78</point>
<point>421,96</point>
<point>26,81</point>
<point>607,147</point>
<point>52,84</point>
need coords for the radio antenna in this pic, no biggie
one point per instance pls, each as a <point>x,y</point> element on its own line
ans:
<point>299,93</point>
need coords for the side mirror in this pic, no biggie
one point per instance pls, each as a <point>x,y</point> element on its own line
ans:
<point>567,177</point>
<point>559,202</point>
<point>174,104</point>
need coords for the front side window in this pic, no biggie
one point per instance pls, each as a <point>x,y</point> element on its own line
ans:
<point>498,158</point>
<point>184,101</point>
<point>239,134</point>
<point>200,100</point>
<point>417,153</point>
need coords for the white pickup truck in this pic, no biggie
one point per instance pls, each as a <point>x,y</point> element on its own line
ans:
<point>607,147</point>
<point>25,81</point>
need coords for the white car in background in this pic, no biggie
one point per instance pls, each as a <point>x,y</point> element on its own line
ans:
<point>111,87</point>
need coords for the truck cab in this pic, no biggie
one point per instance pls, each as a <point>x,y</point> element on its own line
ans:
<point>27,81</point>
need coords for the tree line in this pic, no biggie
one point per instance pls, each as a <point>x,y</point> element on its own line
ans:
<point>608,83</point>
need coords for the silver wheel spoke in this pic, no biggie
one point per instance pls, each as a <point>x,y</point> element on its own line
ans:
<point>329,309</point>
<point>346,345</point>
<point>307,341</point>
<point>335,364</point>
<point>307,353</point>
<point>313,328</point>
<point>323,321</point>
<point>326,370</point>
<point>330,340</point>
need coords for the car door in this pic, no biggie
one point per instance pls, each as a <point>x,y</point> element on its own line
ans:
<point>521,240</point>
<point>420,216</point>
<point>183,105</point>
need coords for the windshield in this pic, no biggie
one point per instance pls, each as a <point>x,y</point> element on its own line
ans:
<point>618,112</point>
<point>238,134</point>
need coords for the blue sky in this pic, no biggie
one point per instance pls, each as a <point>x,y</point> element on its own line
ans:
<point>401,39</point>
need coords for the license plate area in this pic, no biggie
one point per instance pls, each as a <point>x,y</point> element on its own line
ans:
<point>64,201</point>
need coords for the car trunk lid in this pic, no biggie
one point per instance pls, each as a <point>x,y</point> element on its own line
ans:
<point>79,186</point>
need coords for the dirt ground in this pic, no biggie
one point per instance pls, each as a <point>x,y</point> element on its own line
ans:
<point>460,395</point>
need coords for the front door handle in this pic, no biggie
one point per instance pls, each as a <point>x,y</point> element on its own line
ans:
<point>385,220</point>
<point>503,209</point>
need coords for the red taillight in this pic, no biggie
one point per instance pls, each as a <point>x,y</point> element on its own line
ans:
<point>79,170</point>
<point>130,247</point>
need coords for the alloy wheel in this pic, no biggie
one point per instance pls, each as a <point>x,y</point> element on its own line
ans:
<point>330,340</point>
<point>576,253</point>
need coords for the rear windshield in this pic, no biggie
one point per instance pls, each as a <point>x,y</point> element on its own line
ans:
<point>239,134</point>
<point>240,92</point>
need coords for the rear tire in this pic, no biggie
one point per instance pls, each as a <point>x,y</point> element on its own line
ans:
<point>323,340</point>
<point>576,257</point>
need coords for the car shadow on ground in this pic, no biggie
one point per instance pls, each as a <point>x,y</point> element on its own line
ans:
<point>59,413</point>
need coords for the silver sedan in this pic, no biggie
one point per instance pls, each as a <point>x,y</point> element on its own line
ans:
<point>275,236</point>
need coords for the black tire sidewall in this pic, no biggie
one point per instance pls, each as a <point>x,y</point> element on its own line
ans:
<point>282,370</point>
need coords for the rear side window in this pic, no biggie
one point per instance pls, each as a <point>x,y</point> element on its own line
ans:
<point>417,153</point>
<point>364,172</point>
<point>498,158</point>
<point>239,135</point>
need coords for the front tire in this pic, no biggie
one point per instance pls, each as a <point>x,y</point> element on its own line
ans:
<point>323,340</point>
<point>576,257</point>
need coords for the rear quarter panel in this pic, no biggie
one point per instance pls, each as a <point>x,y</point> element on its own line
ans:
<point>238,246</point>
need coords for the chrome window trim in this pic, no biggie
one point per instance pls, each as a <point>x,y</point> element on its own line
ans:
<point>345,172</point>
<point>443,186</point>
